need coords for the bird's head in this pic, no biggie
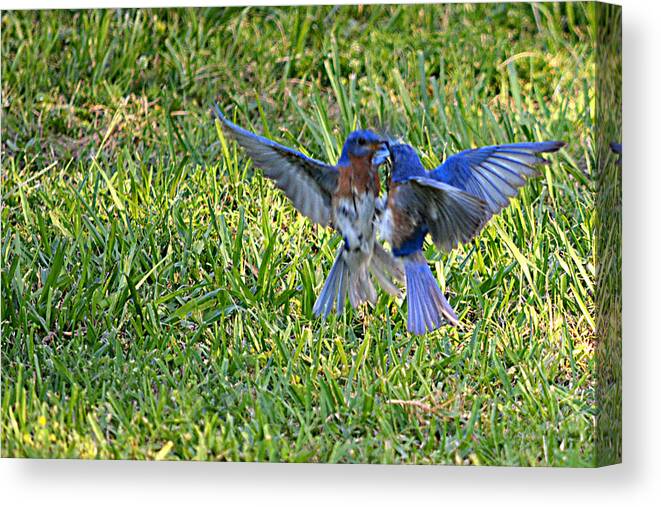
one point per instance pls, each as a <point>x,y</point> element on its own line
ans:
<point>405,162</point>
<point>365,143</point>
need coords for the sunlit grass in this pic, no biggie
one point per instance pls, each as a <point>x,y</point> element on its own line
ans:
<point>157,293</point>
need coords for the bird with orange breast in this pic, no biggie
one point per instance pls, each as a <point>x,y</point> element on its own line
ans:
<point>342,196</point>
<point>450,203</point>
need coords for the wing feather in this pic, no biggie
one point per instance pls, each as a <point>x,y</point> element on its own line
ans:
<point>494,173</point>
<point>308,183</point>
<point>451,215</point>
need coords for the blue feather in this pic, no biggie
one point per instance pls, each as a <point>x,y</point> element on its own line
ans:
<point>412,244</point>
<point>427,306</point>
<point>494,173</point>
<point>334,291</point>
<point>407,164</point>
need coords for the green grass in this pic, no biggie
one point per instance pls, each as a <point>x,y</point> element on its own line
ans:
<point>157,292</point>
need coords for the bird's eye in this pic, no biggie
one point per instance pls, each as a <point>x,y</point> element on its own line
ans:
<point>361,141</point>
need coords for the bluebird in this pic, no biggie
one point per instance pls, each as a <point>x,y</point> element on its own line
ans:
<point>451,203</point>
<point>342,196</point>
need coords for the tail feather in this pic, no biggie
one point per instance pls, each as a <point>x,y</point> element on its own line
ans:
<point>386,269</point>
<point>388,262</point>
<point>427,306</point>
<point>429,311</point>
<point>342,281</point>
<point>444,305</point>
<point>416,320</point>
<point>361,288</point>
<point>342,288</point>
<point>335,288</point>
<point>384,280</point>
<point>357,283</point>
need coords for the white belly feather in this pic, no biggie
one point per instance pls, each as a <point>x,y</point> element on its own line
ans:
<point>386,226</point>
<point>354,219</point>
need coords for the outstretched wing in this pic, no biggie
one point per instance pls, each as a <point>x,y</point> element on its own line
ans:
<point>494,173</point>
<point>451,215</point>
<point>308,183</point>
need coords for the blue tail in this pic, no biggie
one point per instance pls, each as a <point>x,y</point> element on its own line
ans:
<point>335,289</point>
<point>427,305</point>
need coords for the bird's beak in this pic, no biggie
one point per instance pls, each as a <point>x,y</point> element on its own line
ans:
<point>381,153</point>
